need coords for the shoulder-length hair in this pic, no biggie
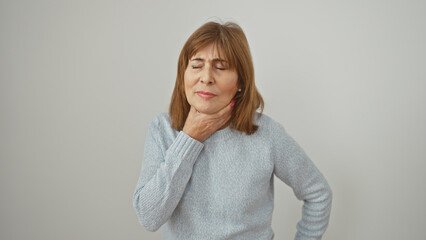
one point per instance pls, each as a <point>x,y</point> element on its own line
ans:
<point>231,42</point>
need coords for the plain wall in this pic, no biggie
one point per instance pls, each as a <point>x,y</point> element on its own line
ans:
<point>81,80</point>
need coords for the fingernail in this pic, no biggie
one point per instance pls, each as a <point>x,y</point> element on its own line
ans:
<point>233,103</point>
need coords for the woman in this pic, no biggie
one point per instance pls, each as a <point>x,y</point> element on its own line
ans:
<point>209,163</point>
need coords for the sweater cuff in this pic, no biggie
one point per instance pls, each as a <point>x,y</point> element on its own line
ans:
<point>186,148</point>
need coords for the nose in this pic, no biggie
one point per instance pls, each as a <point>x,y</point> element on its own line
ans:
<point>207,76</point>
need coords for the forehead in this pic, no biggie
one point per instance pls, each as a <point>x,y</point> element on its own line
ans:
<point>211,50</point>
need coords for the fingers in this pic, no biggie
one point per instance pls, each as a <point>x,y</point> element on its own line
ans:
<point>200,125</point>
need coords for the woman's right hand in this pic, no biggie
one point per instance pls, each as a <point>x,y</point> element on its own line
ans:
<point>200,125</point>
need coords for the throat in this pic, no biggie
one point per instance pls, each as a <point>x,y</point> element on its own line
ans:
<point>225,125</point>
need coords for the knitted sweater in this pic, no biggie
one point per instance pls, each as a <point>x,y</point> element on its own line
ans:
<point>223,187</point>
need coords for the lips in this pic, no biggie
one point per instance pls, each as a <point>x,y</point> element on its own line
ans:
<point>205,94</point>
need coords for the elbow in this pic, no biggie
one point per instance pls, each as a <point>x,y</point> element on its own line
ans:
<point>150,226</point>
<point>326,196</point>
<point>322,196</point>
<point>327,199</point>
<point>146,219</point>
<point>329,193</point>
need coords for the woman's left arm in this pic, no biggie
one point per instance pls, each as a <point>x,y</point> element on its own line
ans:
<point>294,168</point>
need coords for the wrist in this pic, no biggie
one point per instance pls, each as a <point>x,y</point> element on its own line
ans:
<point>193,134</point>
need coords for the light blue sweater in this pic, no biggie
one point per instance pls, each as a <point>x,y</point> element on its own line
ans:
<point>223,188</point>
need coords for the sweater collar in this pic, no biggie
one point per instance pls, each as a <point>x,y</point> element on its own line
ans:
<point>221,135</point>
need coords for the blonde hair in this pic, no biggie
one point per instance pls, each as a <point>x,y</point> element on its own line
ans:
<point>231,41</point>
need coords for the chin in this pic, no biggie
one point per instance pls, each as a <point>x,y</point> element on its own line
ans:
<point>206,109</point>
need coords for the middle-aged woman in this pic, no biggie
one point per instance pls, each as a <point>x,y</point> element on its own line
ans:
<point>209,163</point>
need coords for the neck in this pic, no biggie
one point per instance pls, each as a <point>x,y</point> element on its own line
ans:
<point>225,125</point>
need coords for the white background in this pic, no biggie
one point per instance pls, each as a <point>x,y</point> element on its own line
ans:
<point>81,80</point>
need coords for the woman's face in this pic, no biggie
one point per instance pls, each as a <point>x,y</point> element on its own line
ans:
<point>209,84</point>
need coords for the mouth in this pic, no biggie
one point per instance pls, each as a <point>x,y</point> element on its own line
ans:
<point>205,94</point>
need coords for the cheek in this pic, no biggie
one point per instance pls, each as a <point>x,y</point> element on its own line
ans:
<point>229,90</point>
<point>188,84</point>
<point>188,79</point>
<point>229,87</point>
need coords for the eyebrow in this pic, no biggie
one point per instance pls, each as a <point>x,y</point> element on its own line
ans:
<point>214,60</point>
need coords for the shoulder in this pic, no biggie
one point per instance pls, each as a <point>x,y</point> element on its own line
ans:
<point>161,126</point>
<point>161,120</point>
<point>267,125</point>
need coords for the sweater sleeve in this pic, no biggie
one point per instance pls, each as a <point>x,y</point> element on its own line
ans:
<point>165,173</point>
<point>295,169</point>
